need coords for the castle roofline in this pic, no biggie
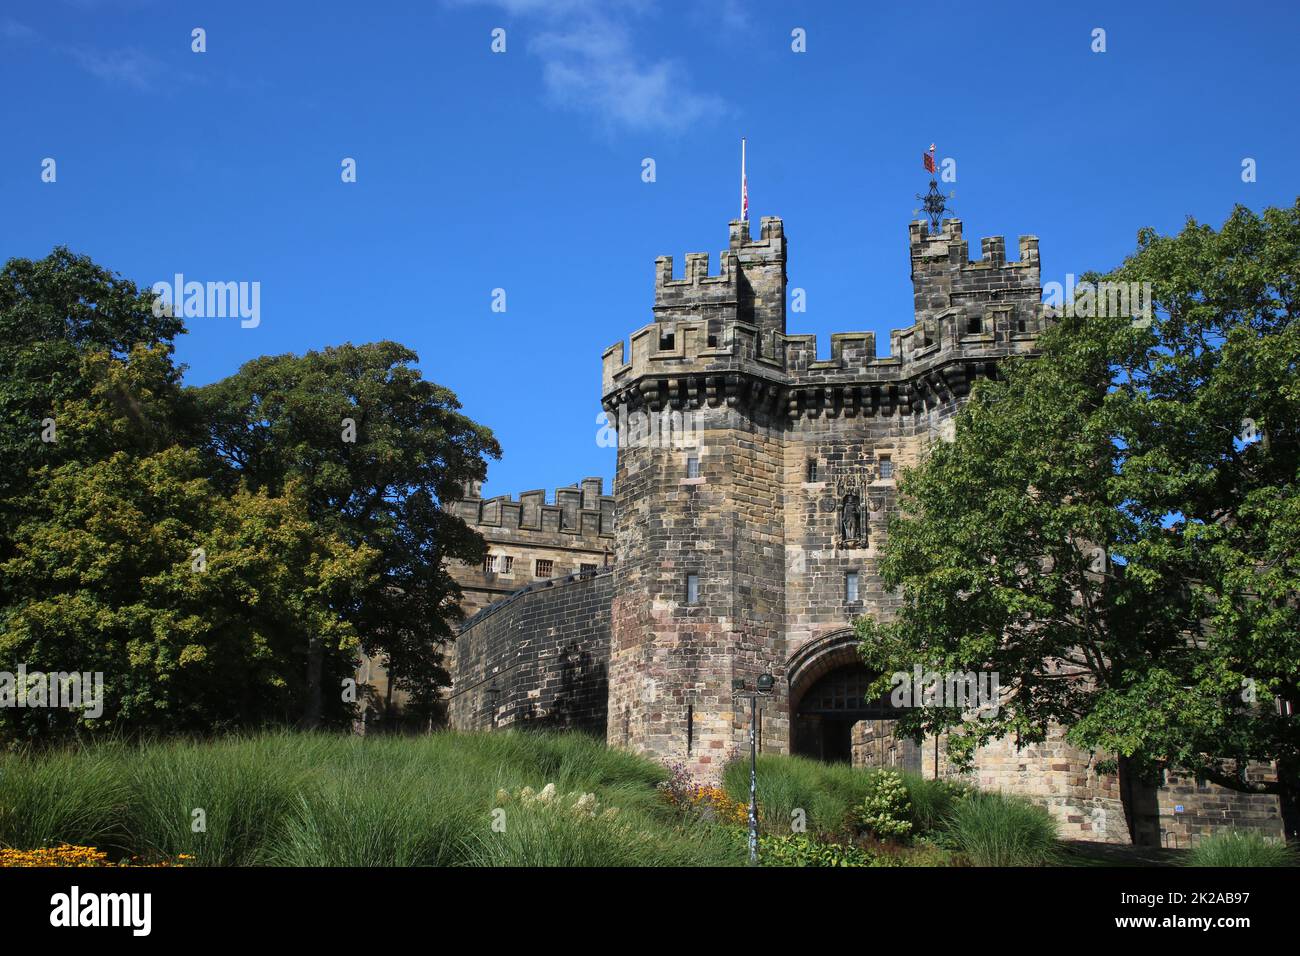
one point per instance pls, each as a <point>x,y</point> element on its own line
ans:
<point>712,331</point>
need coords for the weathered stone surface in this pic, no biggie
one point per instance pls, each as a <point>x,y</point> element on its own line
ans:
<point>767,543</point>
<point>573,532</point>
<point>536,659</point>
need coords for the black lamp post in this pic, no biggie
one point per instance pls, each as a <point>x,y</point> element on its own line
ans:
<point>763,689</point>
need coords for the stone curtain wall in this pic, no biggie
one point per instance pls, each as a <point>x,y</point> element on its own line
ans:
<point>545,649</point>
<point>577,529</point>
<point>875,745</point>
<point>1189,810</point>
<point>1089,805</point>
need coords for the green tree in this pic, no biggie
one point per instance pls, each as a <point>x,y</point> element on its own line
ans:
<point>377,450</point>
<point>1114,529</point>
<point>216,580</point>
<point>53,311</point>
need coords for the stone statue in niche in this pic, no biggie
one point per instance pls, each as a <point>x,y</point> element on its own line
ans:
<point>850,517</point>
<point>850,495</point>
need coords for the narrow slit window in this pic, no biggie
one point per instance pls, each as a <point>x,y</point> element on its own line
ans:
<point>811,473</point>
<point>851,586</point>
<point>692,589</point>
<point>690,727</point>
<point>693,466</point>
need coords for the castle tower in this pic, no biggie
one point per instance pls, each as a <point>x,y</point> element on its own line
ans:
<point>754,480</point>
<point>698,584</point>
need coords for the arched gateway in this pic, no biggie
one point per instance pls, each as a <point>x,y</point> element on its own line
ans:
<point>830,716</point>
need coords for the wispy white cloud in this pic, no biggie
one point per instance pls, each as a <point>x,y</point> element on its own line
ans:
<point>591,64</point>
<point>126,67</point>
<point>130,66</point>
<point>13,30</point>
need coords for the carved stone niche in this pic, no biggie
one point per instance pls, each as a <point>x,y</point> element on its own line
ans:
<point>851,508</point>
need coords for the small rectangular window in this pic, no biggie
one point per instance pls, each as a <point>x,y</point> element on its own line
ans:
<point>886,467</point>
<point>508,564</point>
<point>490,564</point>
<point>544,568</point>
<point>811,473</point>
<point>666,340</point>
<point>587,569</point>
<point>693,466</point>
<point>974,325</point>
<point>692,589</point>
<point>851,586</point>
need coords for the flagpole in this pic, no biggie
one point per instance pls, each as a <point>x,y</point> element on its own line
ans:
<point>743,212</point>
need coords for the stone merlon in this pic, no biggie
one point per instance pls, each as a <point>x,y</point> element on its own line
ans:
<point>583,510</point>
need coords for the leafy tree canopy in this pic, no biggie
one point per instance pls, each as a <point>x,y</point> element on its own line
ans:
<point>219,554</point>
<point>1114,529</point>
<point>377,450</point>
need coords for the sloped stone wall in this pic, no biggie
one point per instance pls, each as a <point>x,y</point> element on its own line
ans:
<point>537,659</point>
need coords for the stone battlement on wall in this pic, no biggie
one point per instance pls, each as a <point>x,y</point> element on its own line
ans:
<point>949,244</point>
<point>583,510</point>
<point>749,287</point>
<point>717,337</point>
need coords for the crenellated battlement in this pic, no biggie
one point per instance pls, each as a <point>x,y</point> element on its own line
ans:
<point>945,280</point>
<point>582,509</point>
<point>968,313</point>
<point>697,274</point>
<point>950,245</point>
<point>749,286</point>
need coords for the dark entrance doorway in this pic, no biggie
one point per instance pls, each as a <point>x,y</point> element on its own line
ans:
<point>827,712</point>
<point>836,739</point>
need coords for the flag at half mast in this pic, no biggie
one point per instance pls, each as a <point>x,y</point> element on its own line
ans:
<point>744,185</point>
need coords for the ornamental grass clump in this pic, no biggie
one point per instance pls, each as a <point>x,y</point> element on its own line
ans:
<point>995,829</point>
<point>1242,849</point>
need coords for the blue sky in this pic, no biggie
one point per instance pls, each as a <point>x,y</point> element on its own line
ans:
<point>522,170</point>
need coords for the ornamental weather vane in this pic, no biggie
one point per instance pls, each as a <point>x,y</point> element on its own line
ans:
<point>934,202</point>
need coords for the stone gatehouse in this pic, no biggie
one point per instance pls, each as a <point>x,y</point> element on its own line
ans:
<point>755,477</point>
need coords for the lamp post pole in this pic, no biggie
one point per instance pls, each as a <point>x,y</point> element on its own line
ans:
<point>753,778</point>
<point>763,688</point>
